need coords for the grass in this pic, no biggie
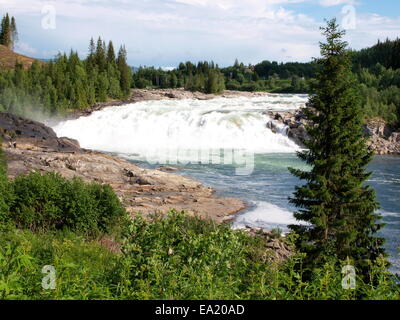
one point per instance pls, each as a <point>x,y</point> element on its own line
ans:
<point>170,257</point>
<point>8,58</point>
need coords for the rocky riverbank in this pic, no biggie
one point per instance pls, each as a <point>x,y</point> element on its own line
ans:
<point>382,139</point>
<point>30,145</point>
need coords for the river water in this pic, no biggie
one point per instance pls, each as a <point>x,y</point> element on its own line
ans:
<point>225,143</point>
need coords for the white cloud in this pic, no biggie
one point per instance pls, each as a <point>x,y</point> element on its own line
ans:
<point>25,48</point>
<point>370,28</point>
<point>164,32</point>
<point>330,3</point>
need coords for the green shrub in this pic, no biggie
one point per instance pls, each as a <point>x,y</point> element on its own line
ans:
<point>83,269</point>
<point>44,202</point>
<point>6,194</point>
<point>182,257</point>
<point>171,257</point>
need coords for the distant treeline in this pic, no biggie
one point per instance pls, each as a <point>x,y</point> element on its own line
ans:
<point>386,53</point>
<point>67,82</point>
<point>205,77</point>
<point>378,71</point>
<point>208,77</point>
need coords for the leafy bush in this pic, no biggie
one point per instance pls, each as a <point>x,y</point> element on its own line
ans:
<point>84,270</point>
<point>171,257</point>
<point>44,202</point>
<point>183,257</point>
<point>6,194</point>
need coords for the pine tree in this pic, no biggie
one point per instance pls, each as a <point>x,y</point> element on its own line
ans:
<point>100,55</point>
<point>6,33</point>
<point>110,53</point>
<point>90,61</point>
<point>125,72</point>
<point>14,32</point>
<point>338,207</point>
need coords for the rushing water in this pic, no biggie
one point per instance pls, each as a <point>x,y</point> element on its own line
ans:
<point>211,139</point>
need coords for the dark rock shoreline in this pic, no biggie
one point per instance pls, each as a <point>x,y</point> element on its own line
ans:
<point>382,139</point>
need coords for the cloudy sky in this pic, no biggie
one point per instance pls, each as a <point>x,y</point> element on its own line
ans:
<point>165,32</point>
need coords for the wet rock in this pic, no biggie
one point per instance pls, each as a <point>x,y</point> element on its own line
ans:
<point>167,169</point>
<point>377,127</point>
<point>381,138</point>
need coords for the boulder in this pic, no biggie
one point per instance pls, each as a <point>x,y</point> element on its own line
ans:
<point>17,131</point>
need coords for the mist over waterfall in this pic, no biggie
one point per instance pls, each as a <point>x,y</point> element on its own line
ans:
<point>168,125</point>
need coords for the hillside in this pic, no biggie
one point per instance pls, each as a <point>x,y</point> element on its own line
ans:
<point>9,57</point>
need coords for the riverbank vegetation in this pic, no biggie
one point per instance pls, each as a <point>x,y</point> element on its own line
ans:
<point>98,252</point>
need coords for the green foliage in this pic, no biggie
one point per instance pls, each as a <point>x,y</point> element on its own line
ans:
<point>8,31</point>
<point>338,207</point>
<point>385,53</point>
<point>66,83</point>
<point>84,270</point>
<point>380,93</point>
<point>6,194</point>
<point>172,257</point>
<point>48,202</point>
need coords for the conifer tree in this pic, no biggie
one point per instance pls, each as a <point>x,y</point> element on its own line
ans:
<point>90,61</point>
<point>110,53</point>
<point>100,55</point>
<point>14,32</point>
<point>337,206</point>
<point>6,33</point>
<point>125,72</point>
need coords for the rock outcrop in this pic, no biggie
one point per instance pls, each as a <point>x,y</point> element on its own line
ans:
<point>381,138</point>
<point>276,243</point>
<point>30,145</point>
<point>19,132</point>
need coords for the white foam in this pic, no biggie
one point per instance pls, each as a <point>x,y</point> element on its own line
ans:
<point>265,215</point>
<point>388,214</point>
<point>148,126</point>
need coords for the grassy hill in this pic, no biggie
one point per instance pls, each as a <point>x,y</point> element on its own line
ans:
<point>9,57</point>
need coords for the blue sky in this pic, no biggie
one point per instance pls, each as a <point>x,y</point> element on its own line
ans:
<point>165,32</point>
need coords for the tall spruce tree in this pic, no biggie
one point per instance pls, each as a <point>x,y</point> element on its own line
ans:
<point>5,33</point>
<point>101,55</point>
<point>110,53</point>
<point>91,58</point>
<point>125,71</point>
<point>337,206</point>
<point>14,32</point>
